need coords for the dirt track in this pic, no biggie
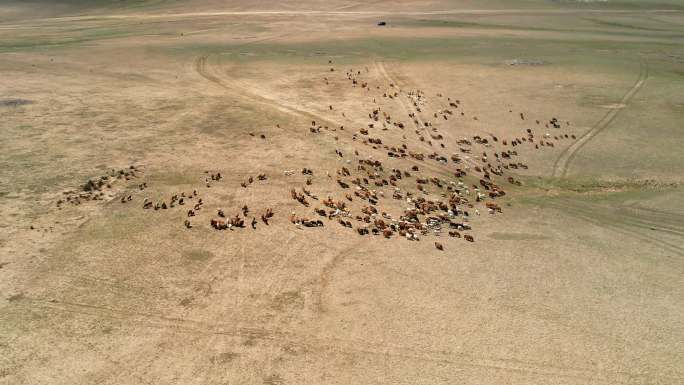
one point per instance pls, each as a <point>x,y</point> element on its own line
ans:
<point>562,164</point>
<point>574,279</point>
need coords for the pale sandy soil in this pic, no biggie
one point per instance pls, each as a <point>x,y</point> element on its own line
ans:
<point>577,281</point>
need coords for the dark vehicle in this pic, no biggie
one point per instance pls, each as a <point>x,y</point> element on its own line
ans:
<point>381,23</point>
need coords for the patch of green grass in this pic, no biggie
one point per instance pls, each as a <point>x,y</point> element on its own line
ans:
<point>197,255</point>
<point>589,185</point>
<point>118,225</point>
<point>467,24</point>
<point>175,178</point>
<point>463,49</point>
<point>76,6</point>
<point>623,4</point>
<point>617,24</point>
<point>51,38</point>
<point>610,26</point>
<point>41,43</point>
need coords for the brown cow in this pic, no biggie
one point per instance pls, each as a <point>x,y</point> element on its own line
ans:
<point>267,215</point>
<point>218,224</point>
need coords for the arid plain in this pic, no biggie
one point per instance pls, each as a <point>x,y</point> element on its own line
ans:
<point>479,192</point>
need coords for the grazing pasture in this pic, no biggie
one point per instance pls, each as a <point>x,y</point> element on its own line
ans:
<point>220,192</point>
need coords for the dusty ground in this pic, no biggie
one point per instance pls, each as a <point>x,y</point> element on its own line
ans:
<point>577,281</point>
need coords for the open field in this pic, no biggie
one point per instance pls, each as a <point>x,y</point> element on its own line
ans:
<point>574,272</point>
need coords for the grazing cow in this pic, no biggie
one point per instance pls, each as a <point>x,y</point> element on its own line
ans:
<point>187,224</point>
<point>237,221</point>
<point>311,223</point>
<point>439,246</point>
<point>493,206</point>
<point>267,215</point>
<point>299,197</point>
<point>218,224</point>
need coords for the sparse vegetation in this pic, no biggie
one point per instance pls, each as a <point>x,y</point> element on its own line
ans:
<point>214,192</point>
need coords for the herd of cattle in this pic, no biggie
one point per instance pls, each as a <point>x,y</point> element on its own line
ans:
<point>401,188</point>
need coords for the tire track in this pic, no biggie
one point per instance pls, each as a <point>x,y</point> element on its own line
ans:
<point>623,224</point>
<point>340,13</point>
<point>203,67</point>
<point>347,346</point>
<point>417,121</point>
<point>647,221</point>
<point>562,163</point>
<point>669,217</point>
<point>643,220</point>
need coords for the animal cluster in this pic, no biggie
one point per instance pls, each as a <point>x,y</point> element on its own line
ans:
<point>95,189</point>
<point>434,204</point>
<point>409,183</point>
<point>194,204</point>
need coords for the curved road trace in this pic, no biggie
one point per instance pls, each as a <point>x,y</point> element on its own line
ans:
<point>560,167</point>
